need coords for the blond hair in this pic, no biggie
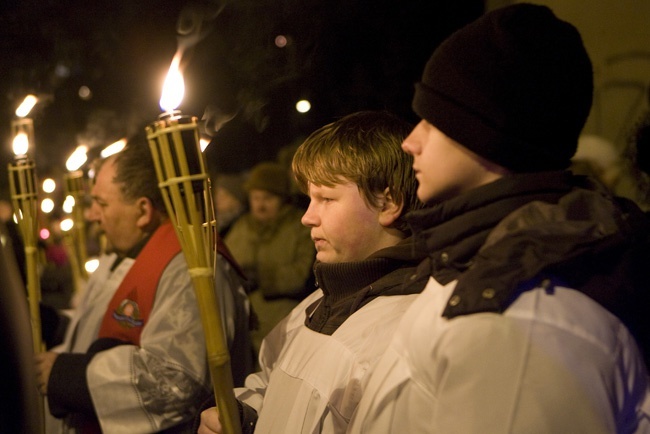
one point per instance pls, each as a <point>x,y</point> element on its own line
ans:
<point>363,148</point>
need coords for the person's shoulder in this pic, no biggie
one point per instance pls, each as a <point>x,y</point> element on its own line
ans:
<point>569,312</point>
<point>242,224</point>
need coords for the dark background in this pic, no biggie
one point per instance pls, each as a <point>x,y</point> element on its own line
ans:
<point>343,55</point>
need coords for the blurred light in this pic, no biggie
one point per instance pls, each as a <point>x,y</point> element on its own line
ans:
<point>26,106</point>
<point>77,158</point>
<point>62,71</point>
<point>66,225</point>
<point>303,106</point>
<point>68,204</point>
<point>203,143</point>
<point>113,148</point>
<point>47,205</point>
<point>281,41</point>
<point>49,185</point>
<point>3,240</point>
<point>21,144</point>
<point>44,234</point>
<point>85,93</point>
<point>91,265</point>
<point>173,87</point>
<point>16,215</point>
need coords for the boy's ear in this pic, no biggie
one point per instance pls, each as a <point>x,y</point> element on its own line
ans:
<point>145,212</point>
<point>390,211</point>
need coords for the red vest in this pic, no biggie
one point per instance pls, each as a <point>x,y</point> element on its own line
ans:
<point>130,307</point>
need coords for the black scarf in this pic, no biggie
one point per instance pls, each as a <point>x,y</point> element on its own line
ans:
<point>349,286</point>
<point>454,231</point>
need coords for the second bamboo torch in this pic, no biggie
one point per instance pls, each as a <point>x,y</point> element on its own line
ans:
<point>183,181</point>
<point>76,237</point>
<point>24,194</point>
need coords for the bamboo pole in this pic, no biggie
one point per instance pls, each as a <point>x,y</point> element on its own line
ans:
<point>75,238</point>
<point>22,183</point>
<point>71,251</point>
<point>183,181</point>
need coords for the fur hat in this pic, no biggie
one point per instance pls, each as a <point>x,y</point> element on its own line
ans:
<point>515,87</point>
<point>271,177</point>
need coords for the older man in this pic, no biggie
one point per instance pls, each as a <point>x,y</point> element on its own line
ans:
<point>134,357</point>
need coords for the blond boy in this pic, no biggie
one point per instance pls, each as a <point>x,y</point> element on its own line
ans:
<point>315,362</point>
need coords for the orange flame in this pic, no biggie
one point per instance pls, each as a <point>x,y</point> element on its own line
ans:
<point>174,87</point>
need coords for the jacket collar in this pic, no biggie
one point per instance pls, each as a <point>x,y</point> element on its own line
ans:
<point>539,230</point>
<point>349,286</point>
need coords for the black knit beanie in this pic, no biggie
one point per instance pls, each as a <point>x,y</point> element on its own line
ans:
<point>514,86</point>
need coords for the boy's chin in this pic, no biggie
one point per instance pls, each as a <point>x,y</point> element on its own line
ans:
<point>325,257</point>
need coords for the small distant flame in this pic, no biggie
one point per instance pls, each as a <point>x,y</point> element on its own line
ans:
<point>68,204</point>
<point>20,144</point>
<point>113,148</point>
<point>66,224</point>
<point>174,87</point>
<point>26,106</point>
<point>77,158</point>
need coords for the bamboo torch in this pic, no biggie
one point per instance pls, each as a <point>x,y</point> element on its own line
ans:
<point>183,181</point>
<point>22,184</point>
<point>75,237</point>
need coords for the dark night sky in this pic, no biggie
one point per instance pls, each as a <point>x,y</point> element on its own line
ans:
<point>344,55</point>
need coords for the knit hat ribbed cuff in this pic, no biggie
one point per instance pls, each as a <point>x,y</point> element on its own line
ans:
<point>475,133</point>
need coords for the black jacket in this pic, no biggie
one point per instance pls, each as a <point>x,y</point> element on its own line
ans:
<point>527,230</point>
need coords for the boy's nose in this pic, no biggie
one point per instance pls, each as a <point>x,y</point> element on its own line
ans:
<point>308,218</point>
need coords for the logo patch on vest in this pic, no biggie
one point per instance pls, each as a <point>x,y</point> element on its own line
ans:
<point>127,314</point>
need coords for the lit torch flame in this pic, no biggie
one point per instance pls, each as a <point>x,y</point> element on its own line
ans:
<point>174,87</point>
<point>20,144</point>
<point>113,148</point>
<point>26,106</point>
<point>77,158</point>
<point>66,224</point>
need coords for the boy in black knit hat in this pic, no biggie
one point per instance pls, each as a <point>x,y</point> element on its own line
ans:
<point>536,305</point>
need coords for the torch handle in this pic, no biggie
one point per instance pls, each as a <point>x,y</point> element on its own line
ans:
<point>34,299</point>
<point>34,295</point>
<point>217,351</point>
<point>71,249</point>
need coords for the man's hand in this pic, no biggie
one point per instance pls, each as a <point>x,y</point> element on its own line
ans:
<point>43,363</point>
<point>210,423</point>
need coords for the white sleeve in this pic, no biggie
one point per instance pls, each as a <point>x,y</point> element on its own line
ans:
<point>273,346</point>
